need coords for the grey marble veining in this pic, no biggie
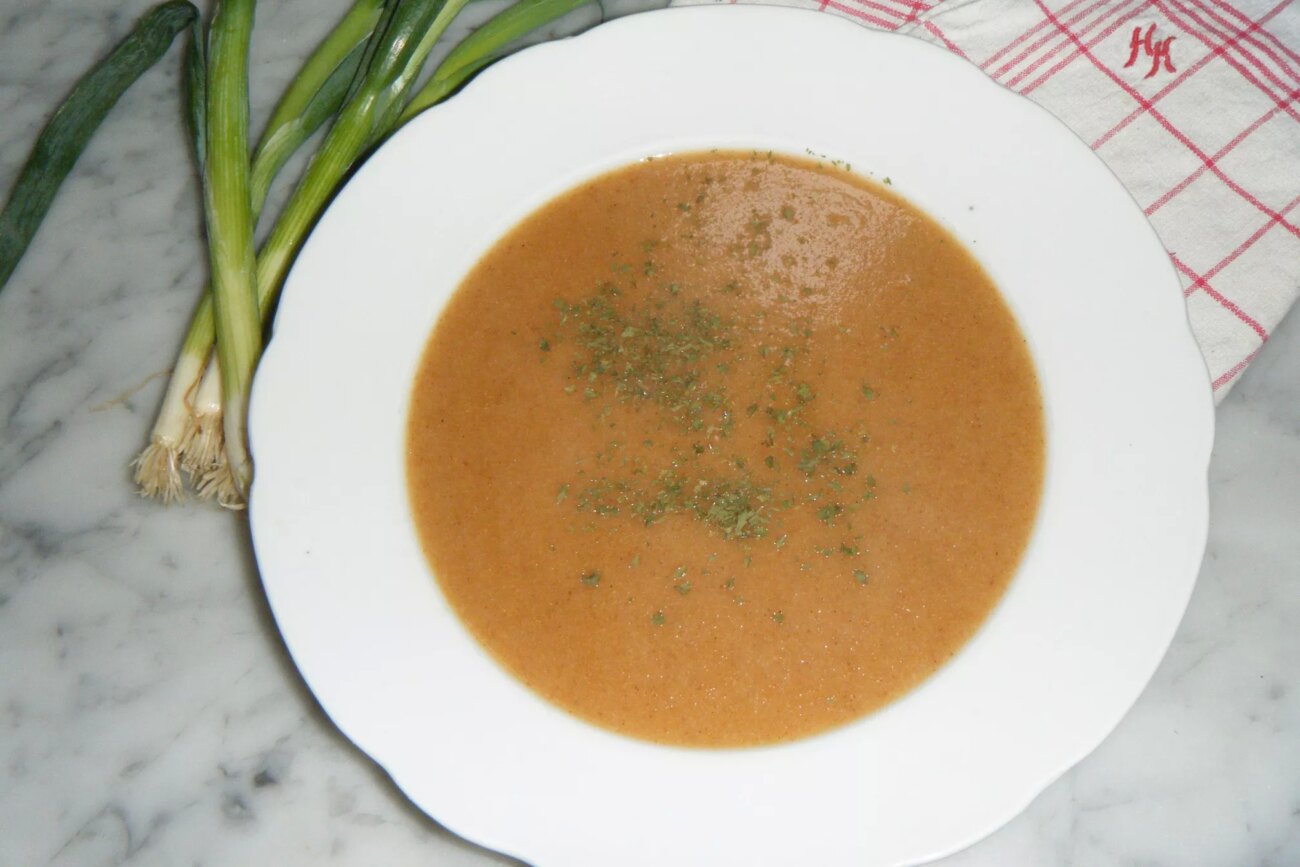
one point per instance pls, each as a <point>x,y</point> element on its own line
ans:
<point>148,711</point>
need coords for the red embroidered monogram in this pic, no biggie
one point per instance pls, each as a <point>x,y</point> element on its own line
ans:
<point>1157,50</point>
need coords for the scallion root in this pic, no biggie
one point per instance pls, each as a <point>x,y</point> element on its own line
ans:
<point>158,473</point>
<point>219,483</point>
<point>203,444</point>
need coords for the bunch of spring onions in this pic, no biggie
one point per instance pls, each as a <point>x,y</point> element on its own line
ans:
<point>360,83</point>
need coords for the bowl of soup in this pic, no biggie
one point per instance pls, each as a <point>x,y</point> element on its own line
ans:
<point>726,473</point>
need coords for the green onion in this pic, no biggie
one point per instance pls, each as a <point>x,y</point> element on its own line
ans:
<point>188,430</point>
<point>484,46</point>
<point>157,468</point>
<point>69,130</point>
<point>197,420</point>
<point>228,216</point>
<point>398,54</point>
<point>361,75</point>
<point>365,80</point>
<point>312,98</point>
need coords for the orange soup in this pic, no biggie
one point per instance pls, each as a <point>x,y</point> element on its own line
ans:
<point>723,449</point>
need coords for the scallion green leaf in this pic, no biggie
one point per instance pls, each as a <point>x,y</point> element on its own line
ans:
<point>484,46</point>
<point>314,95</point>
<point>69,130</point>
<point>365,118</point>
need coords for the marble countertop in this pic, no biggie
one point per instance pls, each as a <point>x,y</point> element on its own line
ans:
<point>149,713</point>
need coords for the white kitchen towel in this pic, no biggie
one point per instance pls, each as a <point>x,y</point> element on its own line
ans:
<point>1192,104</point>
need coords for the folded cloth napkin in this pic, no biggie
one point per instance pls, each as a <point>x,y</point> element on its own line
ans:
<point>1193,105</point>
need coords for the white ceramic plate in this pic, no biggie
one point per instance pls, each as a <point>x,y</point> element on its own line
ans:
<point>1102,586</point>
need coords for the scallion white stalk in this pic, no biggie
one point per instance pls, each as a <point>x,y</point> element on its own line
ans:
<point>157,468</point>
<point>204,445</point>
<point>204,457</point>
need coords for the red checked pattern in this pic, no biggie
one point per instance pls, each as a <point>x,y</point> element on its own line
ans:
<point>1194,106</point>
